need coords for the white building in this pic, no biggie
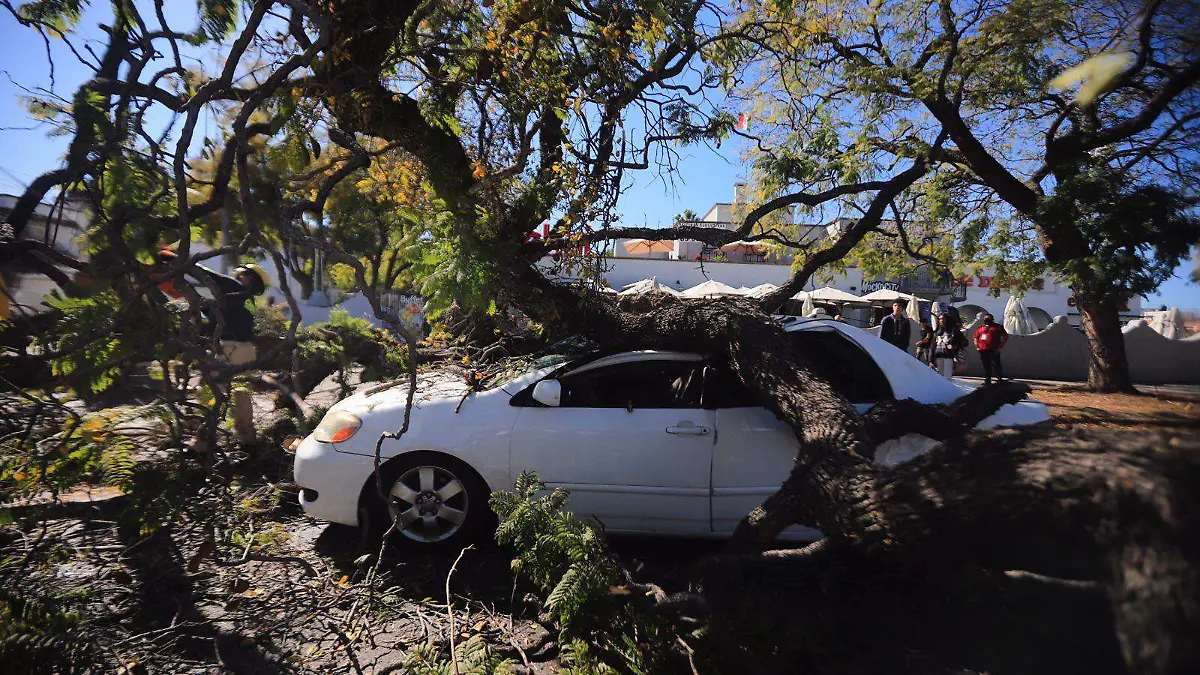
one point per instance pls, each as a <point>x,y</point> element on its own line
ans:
<point>686,263</point>
<point>60,226</point>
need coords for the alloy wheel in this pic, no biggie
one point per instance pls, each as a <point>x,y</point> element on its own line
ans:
<point>431,504</point>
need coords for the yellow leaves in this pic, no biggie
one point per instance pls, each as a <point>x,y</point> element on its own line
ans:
<point>1094,76</point>
<point>19,475</point>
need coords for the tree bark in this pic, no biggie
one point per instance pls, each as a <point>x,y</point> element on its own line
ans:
<point>1108,366</point>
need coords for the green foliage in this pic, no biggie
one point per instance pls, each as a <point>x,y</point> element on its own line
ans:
<point>60,14</point>
<point>1136,234</point>
<point>568,562</point>
<point>96,336</point>
<point>449,270</point>
<point>345,339</point>
<point>563,556</point>
<point>474,657</point>
<point>217,17</point>
<point>93,449</point>
<point>36,637</point>
<point>270,320</point>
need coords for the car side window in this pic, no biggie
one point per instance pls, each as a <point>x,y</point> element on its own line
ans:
<point>848,368</point>
<point>642,384</point>
<point>723,390</point>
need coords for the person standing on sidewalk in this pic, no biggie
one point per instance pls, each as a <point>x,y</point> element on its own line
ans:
<point>894,328</point>
<point>948,343</point>
<point>925,343</point>
<point>989,340</point>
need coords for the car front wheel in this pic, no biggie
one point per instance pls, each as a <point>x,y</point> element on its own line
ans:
<point>437,501</point>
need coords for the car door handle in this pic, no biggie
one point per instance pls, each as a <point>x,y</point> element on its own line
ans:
<point>689,430</point>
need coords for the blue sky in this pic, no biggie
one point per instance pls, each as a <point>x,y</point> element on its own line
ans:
<point>705,176</point>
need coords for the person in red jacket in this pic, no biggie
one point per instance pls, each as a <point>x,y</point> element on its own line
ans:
<point>989,340</point>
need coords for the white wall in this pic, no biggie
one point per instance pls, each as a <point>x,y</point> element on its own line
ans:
<point>1054,299</point>
<point>683,274</point>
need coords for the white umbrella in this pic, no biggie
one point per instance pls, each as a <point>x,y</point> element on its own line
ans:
<point>709,289</point>
<point>650,285</point>
<point>913,310</point>
<point>886,295</point>
<point>808,309</point>
<point>1017,319</point>
<point>1171,324</point>
<point>830,294</point>
<point>761,290</point>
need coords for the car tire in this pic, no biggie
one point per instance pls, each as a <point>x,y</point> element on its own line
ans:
<point>441,501</point>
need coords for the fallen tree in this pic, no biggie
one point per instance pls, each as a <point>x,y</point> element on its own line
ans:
<point>510,139</point>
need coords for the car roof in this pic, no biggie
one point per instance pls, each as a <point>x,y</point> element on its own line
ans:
<point>634,357</point>
<point>909,377</point>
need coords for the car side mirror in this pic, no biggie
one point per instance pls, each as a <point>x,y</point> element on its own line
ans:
<point>548,393</point>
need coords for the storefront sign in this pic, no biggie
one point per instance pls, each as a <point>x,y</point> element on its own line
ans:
<point>880,285</point>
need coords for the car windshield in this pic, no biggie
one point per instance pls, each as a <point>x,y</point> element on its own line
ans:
<point>556,354</point>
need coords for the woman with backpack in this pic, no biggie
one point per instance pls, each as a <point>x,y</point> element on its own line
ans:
<point>948,345</point>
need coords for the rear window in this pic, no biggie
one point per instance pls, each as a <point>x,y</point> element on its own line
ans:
<point>845,365</point>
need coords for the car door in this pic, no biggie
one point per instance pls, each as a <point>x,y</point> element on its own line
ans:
<point>630,442</point>
<point>755,451</point>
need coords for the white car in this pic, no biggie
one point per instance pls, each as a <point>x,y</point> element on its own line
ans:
<point>646,442</point>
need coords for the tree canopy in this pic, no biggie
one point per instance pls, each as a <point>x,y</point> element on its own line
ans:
<point>381,133</point>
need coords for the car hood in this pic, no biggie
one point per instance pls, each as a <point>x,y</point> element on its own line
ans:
<point>441,418</point>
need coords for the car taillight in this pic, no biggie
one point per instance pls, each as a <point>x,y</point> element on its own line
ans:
<point>337,426</point>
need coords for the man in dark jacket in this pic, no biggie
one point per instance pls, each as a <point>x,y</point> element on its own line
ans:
<point>894,328</point>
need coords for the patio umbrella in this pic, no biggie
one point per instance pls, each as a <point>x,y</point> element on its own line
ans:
<point>831,294</point>
<point>761,290</point>
<point>808,309</point>
<point>886,295</point>
<point>913,310</point>
<point>744,247</point>
<point>649,246</point>
<point>650,285</point>
<point>709,289</point>
<point>1017,319</point>
<point>1170,324</point>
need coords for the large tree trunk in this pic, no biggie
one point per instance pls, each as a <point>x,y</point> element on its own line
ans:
<point>1108,367</point>
<point>995,503</point>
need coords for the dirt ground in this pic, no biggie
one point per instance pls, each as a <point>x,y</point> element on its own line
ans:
<point>1070,405</point>
<point>288,594</point>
